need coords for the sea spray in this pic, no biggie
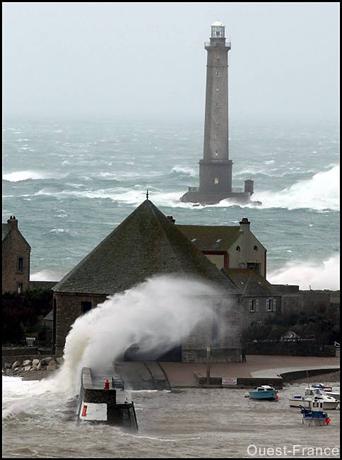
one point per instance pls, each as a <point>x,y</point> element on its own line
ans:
<point>320,192</point>
<point>156,314</point>
<point>310,274</point>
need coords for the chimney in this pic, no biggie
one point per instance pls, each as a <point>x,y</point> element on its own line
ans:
<point>171,219</point>
<point>244,224</point>
<point>12,222</point>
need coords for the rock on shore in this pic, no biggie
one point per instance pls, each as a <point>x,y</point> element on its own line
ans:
<point>29,367</point>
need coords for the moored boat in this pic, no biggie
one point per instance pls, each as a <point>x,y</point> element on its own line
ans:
<point>265,392</point>
<point>314,414</point>
<point>314,394</point>
<point>327,390</point>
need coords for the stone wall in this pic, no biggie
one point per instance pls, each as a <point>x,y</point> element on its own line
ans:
<point>68,308</point>
<point>290,348</point>
<point>261,313</point>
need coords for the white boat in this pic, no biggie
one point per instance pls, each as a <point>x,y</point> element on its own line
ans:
<point>327,390</point>
<point>314,394</point>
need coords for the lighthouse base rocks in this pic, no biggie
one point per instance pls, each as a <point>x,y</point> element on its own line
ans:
<point>195,195</point>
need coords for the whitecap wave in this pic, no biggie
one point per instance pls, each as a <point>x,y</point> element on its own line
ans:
<point>18,176</point>
<point>184,170</point>
<point>46,275</point>
<point>320,192</point>
<point>309,275</point>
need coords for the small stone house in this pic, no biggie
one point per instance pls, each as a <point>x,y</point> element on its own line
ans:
<point>259,299</point>
<point>147,243</point>
<point>228,246</point>
<point>15,258</point>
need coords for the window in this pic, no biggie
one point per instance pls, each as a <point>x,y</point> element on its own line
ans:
<point>254,266</point>
<point>216,180</point>
<point>20,288</point>
<point>269,304</point>
<point>252,305</point>
<point>238,248</point>
<point>255,248</point>
<point>85,306</point>
<point>20,264</point>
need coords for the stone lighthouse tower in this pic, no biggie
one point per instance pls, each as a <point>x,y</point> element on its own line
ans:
<point>215,169</point>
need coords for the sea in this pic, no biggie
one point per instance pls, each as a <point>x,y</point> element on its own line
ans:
<point>71,182</point>
<point>184,423</point>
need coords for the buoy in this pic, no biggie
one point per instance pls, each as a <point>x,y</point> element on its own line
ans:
<point>106,384</point>
<point>84,411</point>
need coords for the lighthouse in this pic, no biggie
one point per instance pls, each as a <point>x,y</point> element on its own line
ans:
<point>215,168</point>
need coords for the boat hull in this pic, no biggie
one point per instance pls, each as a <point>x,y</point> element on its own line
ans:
<point>263,395</point>
<point>327,405</point>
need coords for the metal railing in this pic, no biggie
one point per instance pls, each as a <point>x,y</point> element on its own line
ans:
<point>227,44</point>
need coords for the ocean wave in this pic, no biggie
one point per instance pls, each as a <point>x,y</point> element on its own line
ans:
<point>309,275</point>
<point>184,170</point>
<point>319,192</point>
<point>18,176</point>
<point>47,275</point>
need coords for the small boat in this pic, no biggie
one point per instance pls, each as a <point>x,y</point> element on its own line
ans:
<point>314,394</point>
<point>314,414</point>
<point>327,390</point>
<point>265,392</point>
<point>103,402</point>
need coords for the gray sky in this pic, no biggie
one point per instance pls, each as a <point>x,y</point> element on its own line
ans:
<point>147,60</point>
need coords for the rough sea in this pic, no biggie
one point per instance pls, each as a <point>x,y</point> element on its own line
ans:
<point>187,423</point>
<point>70,183</point>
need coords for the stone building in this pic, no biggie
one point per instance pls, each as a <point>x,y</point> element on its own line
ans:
<point>259,301</point>
<point>15,258</point>
<point>228,246</point>
<point>144,244</point>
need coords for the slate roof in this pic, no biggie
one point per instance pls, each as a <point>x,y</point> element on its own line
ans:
<point>144,244</point>
<point>208,237</point>
<point>250,283</point>
<point>5,230</point>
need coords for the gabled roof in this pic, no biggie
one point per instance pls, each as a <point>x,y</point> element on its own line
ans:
<point>6,228</point>
<point>250,283</point>
<point>144,244</point>
<point>211,237</point>
<point>5,231</point>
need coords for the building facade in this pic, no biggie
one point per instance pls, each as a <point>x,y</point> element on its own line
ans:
<point>15,258</point>
<point>229,246</point>
<point>147,243</point>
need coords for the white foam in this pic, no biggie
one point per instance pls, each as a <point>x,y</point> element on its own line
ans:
<point>46,275</point>
<point>319,192</point>
<point>310,274</point>
<point>18,176</point>
<point>184,170</point>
